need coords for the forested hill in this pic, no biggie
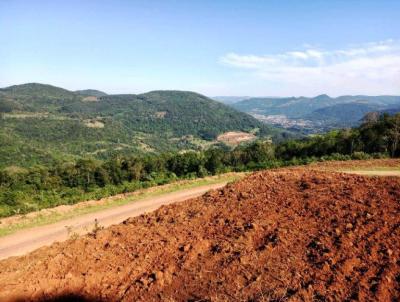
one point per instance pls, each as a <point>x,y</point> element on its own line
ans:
<point>40,123</point>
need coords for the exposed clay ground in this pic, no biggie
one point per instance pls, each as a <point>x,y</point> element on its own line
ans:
<point>235,138</point>
<point>283,235</point>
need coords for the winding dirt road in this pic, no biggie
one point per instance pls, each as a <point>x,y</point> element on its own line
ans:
<point>28,240</point>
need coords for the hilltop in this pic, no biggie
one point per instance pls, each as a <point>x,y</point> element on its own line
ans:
<point>281,235</point>
<point>91,92</point>
<point>41,123</point>
<point>36,90</point>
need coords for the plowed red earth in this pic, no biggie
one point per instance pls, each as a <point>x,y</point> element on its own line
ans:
<point>283,235</point>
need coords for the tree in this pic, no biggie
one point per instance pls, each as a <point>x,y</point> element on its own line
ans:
<point>394,134</point>
<point>86,171</point>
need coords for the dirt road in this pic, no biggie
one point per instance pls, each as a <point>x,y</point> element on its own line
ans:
<point>28,240</point>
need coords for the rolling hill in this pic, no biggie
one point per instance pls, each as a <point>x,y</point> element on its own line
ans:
<point>40,123</point>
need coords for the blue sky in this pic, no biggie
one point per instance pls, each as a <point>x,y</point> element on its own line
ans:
<point>271,48</point>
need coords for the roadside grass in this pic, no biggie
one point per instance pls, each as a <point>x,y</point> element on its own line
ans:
<point>52,215</point>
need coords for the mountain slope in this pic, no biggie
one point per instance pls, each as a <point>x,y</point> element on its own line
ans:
<point>347,114</point>
<point>55,120</point>
<point>292,107</point>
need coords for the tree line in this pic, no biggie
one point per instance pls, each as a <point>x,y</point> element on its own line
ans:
<point>27,189</point>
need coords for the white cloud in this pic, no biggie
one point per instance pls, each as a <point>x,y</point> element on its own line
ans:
<point>372,68</point>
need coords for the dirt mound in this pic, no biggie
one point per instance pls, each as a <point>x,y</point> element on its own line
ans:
<point>283,235</point>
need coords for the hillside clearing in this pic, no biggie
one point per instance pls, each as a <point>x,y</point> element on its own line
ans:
<point>235,137</point>
<point>90,98</point>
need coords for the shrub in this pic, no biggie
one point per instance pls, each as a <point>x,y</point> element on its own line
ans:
<point>360,156</point>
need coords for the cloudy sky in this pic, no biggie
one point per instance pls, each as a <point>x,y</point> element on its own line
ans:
<point>254,48</point>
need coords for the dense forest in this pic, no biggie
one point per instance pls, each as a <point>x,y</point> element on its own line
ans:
<point>42,124</point>
<point>27,189</point>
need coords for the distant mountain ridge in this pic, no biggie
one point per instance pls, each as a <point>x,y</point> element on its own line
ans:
<point>341,115</point>
<point>40,122</point>
<point>321,112</point>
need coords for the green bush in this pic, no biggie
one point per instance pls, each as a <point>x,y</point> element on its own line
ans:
<point>360,155</point>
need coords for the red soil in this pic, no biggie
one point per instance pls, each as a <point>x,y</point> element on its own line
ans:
<point>283,235</point>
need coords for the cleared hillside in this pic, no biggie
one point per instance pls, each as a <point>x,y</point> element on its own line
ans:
<point>282,235</point>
